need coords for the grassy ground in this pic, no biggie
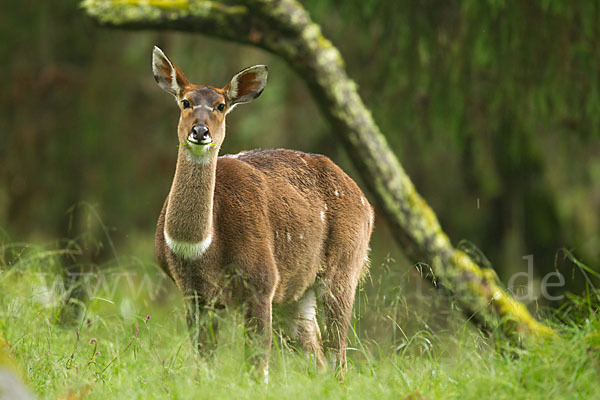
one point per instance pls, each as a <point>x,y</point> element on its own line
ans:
<point>132,343</point>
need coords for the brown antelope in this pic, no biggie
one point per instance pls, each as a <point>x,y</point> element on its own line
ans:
<point>261,227</point>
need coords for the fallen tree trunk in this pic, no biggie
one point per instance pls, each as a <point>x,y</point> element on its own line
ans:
<point>284,28</point>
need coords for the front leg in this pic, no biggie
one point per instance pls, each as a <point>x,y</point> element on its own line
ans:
<point>259,335</point>
<point>203,325</point>
<point>260,278</point>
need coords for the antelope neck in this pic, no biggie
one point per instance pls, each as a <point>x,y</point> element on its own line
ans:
<point>189,214</point>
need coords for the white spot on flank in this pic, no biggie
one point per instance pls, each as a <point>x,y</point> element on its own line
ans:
<point>289,237</point>
<point>326,208</point>
<point>301,236</point>
<point>323,216</point>
<point>187,250</point>
<point>362,200</point>
<point>276,234</point>
<point>337,193</point>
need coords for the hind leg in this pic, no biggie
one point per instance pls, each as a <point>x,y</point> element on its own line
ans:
<point>305,327</point>
<point>338,298</point>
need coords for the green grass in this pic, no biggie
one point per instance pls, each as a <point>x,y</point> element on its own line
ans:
<point>116,352</point>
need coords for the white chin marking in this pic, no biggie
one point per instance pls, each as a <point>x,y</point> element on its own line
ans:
<point>187,250</point>
<point>199,153</point>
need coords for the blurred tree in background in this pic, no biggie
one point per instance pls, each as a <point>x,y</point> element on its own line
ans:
<point>496,109</point>
<point>492,106</point>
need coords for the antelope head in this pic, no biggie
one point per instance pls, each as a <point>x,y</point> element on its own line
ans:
<point>201,128</point>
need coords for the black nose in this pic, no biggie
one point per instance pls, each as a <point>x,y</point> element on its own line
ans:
<point>200,133</point>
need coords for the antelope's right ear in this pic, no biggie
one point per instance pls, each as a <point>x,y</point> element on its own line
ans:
<point>168,76</point>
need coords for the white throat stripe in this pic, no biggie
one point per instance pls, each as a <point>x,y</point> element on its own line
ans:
<point>189,251</point>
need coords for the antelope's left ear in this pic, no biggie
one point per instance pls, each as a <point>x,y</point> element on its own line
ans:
<point>246,85</point>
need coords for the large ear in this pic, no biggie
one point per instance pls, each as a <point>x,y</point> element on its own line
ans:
<point>246,85</point>
<point>167,75</point>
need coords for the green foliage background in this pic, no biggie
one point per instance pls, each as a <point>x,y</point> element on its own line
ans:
<point>492,106</point>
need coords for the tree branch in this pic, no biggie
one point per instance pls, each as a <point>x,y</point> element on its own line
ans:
<point>284,28</point>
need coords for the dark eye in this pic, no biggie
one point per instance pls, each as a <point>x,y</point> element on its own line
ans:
<point>221,107</point>
<point>186,103</point>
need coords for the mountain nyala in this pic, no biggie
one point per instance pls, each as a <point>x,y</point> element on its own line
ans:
<point>260,228</point>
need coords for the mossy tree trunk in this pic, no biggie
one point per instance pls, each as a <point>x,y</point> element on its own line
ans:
<point>284,28</point>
